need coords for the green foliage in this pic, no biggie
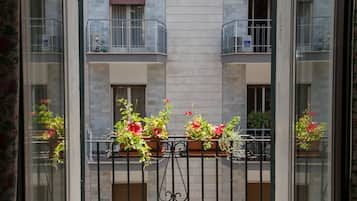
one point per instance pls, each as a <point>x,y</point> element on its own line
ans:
<point>308,131</point>
<point>259,120</point>
<point>156,126</point>
<point>132,141</point>
<point>54,125</point>
<point>230,137</point>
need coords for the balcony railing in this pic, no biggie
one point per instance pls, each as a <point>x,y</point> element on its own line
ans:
<point>46,35</point>
<point>313,34</point>
<point>246,35</point>
<point>126,36</point>
<point>177,174</point>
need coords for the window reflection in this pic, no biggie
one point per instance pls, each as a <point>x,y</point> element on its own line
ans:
<point>43,69</point>
<point>313,92</point>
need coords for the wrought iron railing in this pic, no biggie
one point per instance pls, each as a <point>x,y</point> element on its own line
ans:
<point>177,173</point>
<point>246,35</point>
<point>46,35</point>
<point>126,36</point>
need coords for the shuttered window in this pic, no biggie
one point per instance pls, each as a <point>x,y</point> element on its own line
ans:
<point>127,26</point>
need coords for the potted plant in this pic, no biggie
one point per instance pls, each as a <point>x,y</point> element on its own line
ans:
<point>138,140</point>
<point>308,135</point>
<point>54,131</point>
<point>259,120</point>
<point>155,128</point>
<point>203,137</point>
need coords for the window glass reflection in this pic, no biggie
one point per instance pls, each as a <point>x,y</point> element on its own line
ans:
<point>43,69</point>
<point>313,92</point>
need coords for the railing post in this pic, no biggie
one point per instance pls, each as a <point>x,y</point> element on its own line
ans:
<point>188,171</point>
<point>246,169</point>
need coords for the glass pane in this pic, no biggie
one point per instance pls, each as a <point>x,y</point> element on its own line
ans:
<point>313,95</point>
<point>137,28</point>
<point>138,99</point>
<point>267,99</point>
<point>118,93</point>
<point>119,26</point>
<point>43,68</point>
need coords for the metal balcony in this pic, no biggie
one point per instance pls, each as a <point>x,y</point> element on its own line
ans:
<point>125,40</point>
<point>46,40</point>
<point>313,38</point>
<point>179,174</point>
<point>246,41</point>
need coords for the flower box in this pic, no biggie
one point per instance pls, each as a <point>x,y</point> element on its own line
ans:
<point>195,148</point>
<point>155,144</point>
<point>312,152</point>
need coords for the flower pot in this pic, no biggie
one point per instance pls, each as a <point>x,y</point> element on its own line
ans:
<point>313,152</point>
<point>195,148</point>
<point>157,148</point>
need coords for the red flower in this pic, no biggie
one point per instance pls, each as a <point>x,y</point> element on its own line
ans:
<point>196,124</point>
<point>135,128</point>
<point>166,100</point>
<point>312,127</point>
<point>51,132</point>
<point>189,113</point>
<point>157,131</point>
<point>311,113</point>
<point>222,126</point>
<point>218,130</point>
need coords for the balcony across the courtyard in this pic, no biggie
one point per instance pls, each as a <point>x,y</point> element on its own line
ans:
<point>246,41</point>
<point>119,40</point>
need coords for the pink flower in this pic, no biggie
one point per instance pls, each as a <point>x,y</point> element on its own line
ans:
<point>189,113</point>
<point>311,113</point>
<point>311,128</point>
<point>33,113</point>
<point>135,128</point>
<point>157,131</point>
<point>51,132</point>
<point>166,100</point>
<point>196,124</point>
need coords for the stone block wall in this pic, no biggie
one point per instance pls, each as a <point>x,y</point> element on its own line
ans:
<point>235,93</point>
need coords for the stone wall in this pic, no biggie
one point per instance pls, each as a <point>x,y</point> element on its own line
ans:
<point>193,69</point>
<point>100,102</point>
<point>155,88</point>
<point>235,93</point>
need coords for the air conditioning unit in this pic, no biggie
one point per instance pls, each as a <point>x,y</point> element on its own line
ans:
<point>244,43</point>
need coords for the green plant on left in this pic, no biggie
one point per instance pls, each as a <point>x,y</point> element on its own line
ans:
<point>54,131</point>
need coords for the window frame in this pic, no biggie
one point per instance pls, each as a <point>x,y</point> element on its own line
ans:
<point>128,86</point>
